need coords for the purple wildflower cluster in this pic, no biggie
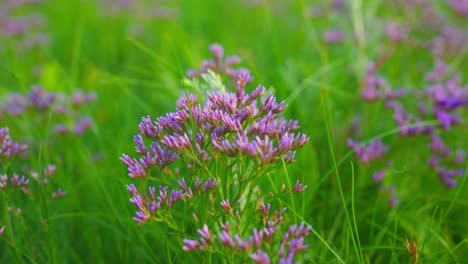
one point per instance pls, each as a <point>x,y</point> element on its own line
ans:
<point>440,103</point>
<point>458,6</point>
<point>220,65</point>
<point>64,109</point>
<point>26,29</point>
<point>153,205</point>
<point>234,124</point>
<point>445,39</point>
<point>373,151</point>
<point>261,246</point>
<point>225,144</point>
<point>9,148</point>
<point>9,151</point>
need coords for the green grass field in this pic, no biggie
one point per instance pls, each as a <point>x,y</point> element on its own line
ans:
<point>135,59</point>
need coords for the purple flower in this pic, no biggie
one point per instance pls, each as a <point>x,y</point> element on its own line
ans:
<point>226,206</point>
<point>299,188</point>
<point>260,257</point>
<point>226,239</point>
<point>333,37</point>
<point>8,148</point>
<point>373,151</point>
<point>218,65</point>
<point>190,245</point>
<point>205,236</point>
<point>446,119</point>
<point>438,73</point>
<point>378,176</point>
<point>459,6</point>
<point>82,125</point>
<point>395,33</point>
<point>58,194</point>
<point>175,196</point>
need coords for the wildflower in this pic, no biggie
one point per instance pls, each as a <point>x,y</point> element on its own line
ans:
<point>459,6</point>
<point>299,188</point>
<point>438,73</point>
<point>233,124</point>
<point>260,257</point>
<point>190,245</point>
<point>395,33</point>
<point>58,194</point>
<point>373,151</point>
<point>40,102</point>
<point>226,239</point>
<point>8,148</point>
<point>333,37</point>
<point>218,65</point>
<point>226,206</point>
<point>2,229</point>
<point>149,205</point>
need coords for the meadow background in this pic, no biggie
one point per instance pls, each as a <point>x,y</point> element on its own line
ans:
<point>134,56</point>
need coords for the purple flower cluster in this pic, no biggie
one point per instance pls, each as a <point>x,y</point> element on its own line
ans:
<point>153,205</point>
<point>63,108</point>
<point>395,32</point>
<point>15,182</point>
<point>373,151</point>
<point>445,40</point>
<point>219,64</point>
<point>440,104</point>
<point>334,37</point>
<point>224,143</point>
<point>25,28</point>
<point>8,148</point>
<point>285,247</point>
<point>235,124</point>
<point>8,184</point>
<point>459,6</point>
<point>438,101</point>
<point>442,157</point>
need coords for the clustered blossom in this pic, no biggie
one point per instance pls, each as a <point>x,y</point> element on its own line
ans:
<point>333,37</point>
<point>459,6</point>
<point>49,171</point>
<point>440,104</point>
<point>375,150</point>
<point>438,101</point>
<point>395,32</point>
<point>444,39</point>
<point>443,156</point>
<point>153,205</point>
<point>235,124</point>
<point>27,29</point>
<point>288,244</point>
<point>62,107</point>
<point>214,139</point>
<point>219,64</point>
<point>9,148</point>
<point>13,182</point>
